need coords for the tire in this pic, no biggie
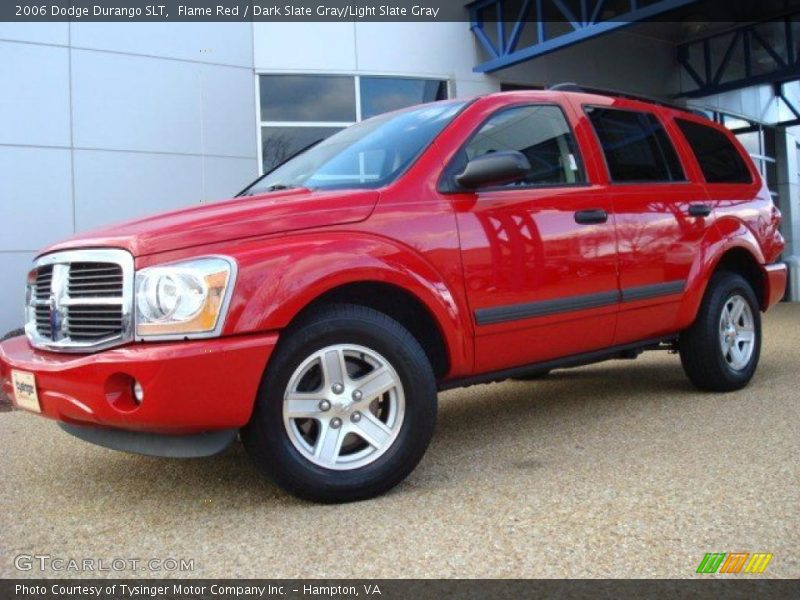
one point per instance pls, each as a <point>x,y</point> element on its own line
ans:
<point>714,352</point>
<point>533,376</point>
<point>305,455</point>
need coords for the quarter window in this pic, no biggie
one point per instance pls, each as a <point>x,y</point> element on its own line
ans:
<point>541,133</point>
<point>635,145</point>
<point>719,160</point>
<point>299,110</point>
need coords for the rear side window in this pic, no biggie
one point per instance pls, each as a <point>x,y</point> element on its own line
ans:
<point>636,147</point>
<point>541,133</point>
<point>719,160</point>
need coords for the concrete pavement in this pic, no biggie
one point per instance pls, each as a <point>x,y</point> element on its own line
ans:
<point>619,469</point>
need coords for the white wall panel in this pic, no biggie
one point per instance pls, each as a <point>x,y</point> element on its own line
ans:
<point>228,111</point>
<point>433,49</point>
<point>304,46</point>
<point>224,177</point>
<point>135,103</point>
<point>116,186</point>
<point>36,31</point>
<point>35,197</point>
<point>34,94</point>
<point>222,43</point>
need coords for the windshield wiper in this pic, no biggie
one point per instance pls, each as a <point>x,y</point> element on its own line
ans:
<point>275,187</point>
<point>245,191</point>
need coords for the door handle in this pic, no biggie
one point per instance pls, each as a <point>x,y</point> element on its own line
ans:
<point>699,210</point>
<point>588,217</point>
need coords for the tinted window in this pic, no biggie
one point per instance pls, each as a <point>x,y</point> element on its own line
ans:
<point>635,145</point>
<point>308,98</point>
<point>718,158</point>
<point>541,133</point>
<point>384,94</point>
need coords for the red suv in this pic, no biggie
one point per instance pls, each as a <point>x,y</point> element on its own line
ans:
<point>454,243</point>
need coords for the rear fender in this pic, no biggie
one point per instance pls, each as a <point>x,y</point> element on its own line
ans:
<point>726,235</point>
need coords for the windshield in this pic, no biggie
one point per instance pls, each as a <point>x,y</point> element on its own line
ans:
<point>369,154</point>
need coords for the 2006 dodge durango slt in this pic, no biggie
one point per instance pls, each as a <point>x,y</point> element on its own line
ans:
<point>458,242</point>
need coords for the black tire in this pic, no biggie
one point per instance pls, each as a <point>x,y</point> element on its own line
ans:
<point>533,376</point>
<point>266,439</point>
<point>701,353</point>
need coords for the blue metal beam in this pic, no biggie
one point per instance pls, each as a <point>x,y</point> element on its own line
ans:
<point>587,25</point>
<point>746,42</point>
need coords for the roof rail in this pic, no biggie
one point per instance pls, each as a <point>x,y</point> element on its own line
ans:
<point>574,87</point>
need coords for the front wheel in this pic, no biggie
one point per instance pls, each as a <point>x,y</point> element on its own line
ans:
<point>720,351</point>
<point>346,408</point>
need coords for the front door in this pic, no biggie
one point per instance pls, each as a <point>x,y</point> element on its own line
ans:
<point>539,256</point>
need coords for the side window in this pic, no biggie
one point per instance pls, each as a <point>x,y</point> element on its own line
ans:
<point>719,160</point>
<point>636,147</point>
<point>541,133</point>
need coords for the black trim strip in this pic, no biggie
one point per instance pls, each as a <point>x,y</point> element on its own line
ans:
<point>576,360</point>
<point>527,310</point>
<point>645,292</point>
<point>514,312</point>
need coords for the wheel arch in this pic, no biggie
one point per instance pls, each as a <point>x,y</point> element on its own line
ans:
<point>735,251</point>
<point>303,272</point>
<point>397,303</point>
<point>741,261</point>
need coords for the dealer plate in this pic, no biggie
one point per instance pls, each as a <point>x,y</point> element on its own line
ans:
<point>25,395</point>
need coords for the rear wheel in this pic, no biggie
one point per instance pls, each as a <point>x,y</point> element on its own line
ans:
<point>720,351</point>
<point>346,408</point>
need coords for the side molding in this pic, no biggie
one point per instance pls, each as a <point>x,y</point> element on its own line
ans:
<point>515,312</point>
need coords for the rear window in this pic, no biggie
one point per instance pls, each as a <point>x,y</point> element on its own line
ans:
<point>718,158</point>
<point>635,145</point>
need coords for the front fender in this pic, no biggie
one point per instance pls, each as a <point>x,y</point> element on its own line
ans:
<point>278,279</point>
<point>724,236</point>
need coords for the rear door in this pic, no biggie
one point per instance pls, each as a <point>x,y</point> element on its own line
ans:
<point>662,213</point>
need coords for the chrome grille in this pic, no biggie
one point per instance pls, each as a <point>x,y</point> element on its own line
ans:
<point>80,300</point>
<point>44,278</point>
<point>94,280</point>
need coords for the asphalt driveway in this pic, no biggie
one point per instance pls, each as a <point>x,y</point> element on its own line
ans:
<point>614,470</point>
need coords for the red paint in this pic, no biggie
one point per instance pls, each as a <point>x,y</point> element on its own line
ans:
<point>188,387</point>
<point>457,253</point>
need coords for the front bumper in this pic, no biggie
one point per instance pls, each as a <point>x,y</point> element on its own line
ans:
<point>189,387</point>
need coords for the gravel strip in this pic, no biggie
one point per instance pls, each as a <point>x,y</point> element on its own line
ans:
<point>619,469</point>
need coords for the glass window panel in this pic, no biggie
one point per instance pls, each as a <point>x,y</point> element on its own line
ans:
<point>719,160</point>
<point>635,146</point>
<point>541,133</point>
<point>384,94</point>
<point>279,143</point>
<point>368,154</point>
<point>307,98</point>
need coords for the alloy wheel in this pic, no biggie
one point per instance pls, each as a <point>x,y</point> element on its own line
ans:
<point>343,407</point>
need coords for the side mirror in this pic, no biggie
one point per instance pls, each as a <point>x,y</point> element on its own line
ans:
<point>494,168</point>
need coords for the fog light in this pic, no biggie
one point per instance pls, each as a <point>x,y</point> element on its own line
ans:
<point>138,392</point>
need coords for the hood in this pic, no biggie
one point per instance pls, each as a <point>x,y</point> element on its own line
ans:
<point>251,216</point>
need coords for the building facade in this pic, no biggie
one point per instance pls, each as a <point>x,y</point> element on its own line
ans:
<point>101,122</point>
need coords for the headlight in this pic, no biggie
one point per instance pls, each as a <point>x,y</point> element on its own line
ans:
<point>183,299</point>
